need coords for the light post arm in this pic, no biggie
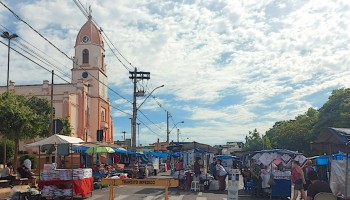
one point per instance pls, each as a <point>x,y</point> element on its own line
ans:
<point>176,125</point>
<point>149,96</point>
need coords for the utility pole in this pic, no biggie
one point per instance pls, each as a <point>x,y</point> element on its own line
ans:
<point>178,135</point>
<point>167,127</point>
<point>124,135</point>
<point>134,75</point>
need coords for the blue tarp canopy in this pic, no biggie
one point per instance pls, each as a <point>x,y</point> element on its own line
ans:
<point>226,157</point>
<point>157,154</point>
<point>120,150</point>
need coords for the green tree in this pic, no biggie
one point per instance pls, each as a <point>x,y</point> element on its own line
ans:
<point>23,118</point>
<point>254,142</point>
<point>66,130</point>
<point>335,112</point>
<point>294,134</point>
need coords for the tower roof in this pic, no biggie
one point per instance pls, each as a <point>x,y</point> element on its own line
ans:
<point>89,34</point>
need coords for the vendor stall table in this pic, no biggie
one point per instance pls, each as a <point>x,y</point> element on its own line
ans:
<point>81,187</point>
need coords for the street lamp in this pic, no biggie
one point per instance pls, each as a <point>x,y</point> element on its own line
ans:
<point>149,95</point>
<point>6,35</point>
<point>168,132</point>
<point>134,117</point>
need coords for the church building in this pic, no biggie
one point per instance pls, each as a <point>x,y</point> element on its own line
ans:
<point>84,100</point>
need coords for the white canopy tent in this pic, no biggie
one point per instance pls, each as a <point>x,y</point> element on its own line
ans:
<point>56,139</point>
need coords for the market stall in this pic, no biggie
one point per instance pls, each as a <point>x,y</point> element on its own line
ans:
<point>332,140</point>
<point>55,182</point>
<point>275,162</point>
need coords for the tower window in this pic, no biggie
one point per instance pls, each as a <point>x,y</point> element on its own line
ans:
<point>103,116</point>
<point>85,56</point>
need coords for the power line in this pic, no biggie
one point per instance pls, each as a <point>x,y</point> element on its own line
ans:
<point>60,50</point>
<point>150,120</point>
<point>33,61</point>
<point>20,19</point>
<point>51,71</point>
<point>150,128</point>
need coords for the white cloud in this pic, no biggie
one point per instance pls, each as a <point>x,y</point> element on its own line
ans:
<point>272,55</point>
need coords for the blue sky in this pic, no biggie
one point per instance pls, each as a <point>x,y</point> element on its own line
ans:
<point>228,66</point>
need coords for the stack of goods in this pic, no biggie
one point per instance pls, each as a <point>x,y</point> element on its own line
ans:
<point>64,174</point>
<point>206,177</point>
<point>67,192</point>
<point>82,173</point>
<point>179,175</point>
<point>48,190</point>
<point>281,175</point>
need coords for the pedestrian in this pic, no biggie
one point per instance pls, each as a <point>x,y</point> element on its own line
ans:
<point>298,180</point>
<point>221,174</point>
<point>306,169</point>
<point>197,167</point>
<point>316,186</point>
<point>246,177</point>
<point>212,168</point>
<point>6,174</point>
<point>255,172</point>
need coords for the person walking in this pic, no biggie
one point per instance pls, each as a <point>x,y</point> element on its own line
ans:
<point>298,180</point>
<point>212,168</point>
<point>197,168</point>
<point>255,172</point>
<point>221,174</point>
<point>317,186</point>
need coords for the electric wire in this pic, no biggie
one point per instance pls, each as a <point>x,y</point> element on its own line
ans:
<point>150,128</point>
<point>37,57</point>
<point>33,61</point>
<point>48,69</point>
<point>83,10</point>
<point>150,120</point>
<point>20,19</point>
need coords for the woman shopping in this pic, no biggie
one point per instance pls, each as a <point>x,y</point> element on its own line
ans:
<point>298,180</point>
<point>221,174</point>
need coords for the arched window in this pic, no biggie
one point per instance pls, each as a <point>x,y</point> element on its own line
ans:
<point>85,56</point>
<point>103,116</point>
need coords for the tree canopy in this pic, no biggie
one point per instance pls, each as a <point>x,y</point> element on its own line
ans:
<point>296,134</point>
<point>23,118</point>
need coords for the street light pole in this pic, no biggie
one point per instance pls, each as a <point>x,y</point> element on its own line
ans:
<point>167,128</point>
<point>6,35</point>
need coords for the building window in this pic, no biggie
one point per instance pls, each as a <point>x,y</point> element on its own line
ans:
<point>85,56</point>
<point>103,116</point>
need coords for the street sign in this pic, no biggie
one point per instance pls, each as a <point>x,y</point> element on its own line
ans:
<point>57,126</point>
<point>141,182</point>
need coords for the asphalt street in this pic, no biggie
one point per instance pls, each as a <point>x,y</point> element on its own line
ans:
<point>157,193</point>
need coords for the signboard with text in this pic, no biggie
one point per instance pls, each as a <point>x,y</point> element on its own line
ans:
<point>142,182</point>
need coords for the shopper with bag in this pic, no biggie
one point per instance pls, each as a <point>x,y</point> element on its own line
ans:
<point>221,174</point>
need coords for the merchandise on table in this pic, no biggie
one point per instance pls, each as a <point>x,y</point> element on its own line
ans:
<point>66,174</point>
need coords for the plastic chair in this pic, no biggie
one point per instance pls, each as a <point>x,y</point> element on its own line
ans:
<point>325,196</point>
<point>195,186</point>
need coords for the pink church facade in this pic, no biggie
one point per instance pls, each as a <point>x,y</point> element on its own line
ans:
<point>85,100</point>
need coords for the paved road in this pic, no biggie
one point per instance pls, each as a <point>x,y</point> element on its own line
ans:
<point>157,193</point>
